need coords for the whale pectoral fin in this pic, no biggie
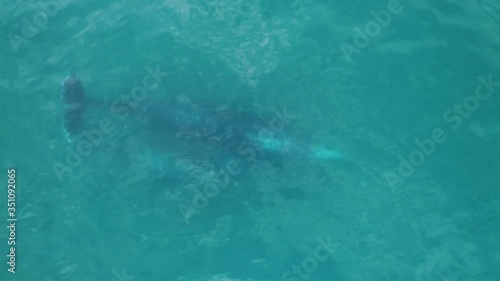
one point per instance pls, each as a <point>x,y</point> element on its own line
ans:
<point>325,153</point>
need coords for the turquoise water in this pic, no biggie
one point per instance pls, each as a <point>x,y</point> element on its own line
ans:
<point>400,173</point>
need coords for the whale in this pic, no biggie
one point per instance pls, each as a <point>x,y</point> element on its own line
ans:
<point>221,133</point>
<point>73,97</point>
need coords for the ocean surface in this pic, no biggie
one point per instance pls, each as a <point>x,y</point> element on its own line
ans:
<point>397,103</point>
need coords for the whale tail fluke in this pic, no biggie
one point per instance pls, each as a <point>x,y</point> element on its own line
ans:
<point>75,103</point>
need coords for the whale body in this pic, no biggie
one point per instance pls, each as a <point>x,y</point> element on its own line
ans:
<point>73,97</point>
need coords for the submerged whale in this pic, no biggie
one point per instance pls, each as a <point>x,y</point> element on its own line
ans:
<point>73,97</point>
<point>221,133</point>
